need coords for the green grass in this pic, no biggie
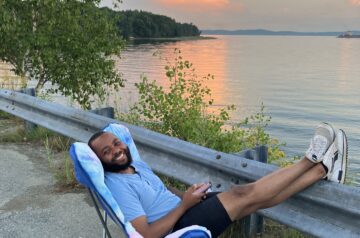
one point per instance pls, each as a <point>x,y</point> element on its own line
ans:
<point>271,230</point>
<point>5,115</point>
<point>21,135</point>
<point>56,148</point>
<point>275,230</point>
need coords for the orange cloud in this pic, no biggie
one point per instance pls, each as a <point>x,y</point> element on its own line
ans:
<point>214,3</point>
<point>197,5</point>
<point>355,2</point>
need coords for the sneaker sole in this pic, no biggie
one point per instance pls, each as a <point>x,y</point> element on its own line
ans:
<point>344,159</point>
<point>330,128</point>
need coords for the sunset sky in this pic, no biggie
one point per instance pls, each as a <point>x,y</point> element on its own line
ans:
<point>304,15</point>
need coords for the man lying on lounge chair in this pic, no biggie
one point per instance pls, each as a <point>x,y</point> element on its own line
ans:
<point>154,210</point>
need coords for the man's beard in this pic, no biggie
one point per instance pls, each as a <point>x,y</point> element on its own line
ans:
<point>109,167</point>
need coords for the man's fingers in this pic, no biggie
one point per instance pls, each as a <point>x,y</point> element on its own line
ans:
<point>198,185</point>
<point>193,187</point>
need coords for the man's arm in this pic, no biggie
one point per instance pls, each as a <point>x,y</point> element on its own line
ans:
<point>176,191</point>
<point>161,227</point>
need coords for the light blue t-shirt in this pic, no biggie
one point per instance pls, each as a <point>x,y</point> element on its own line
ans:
<point>142,193</point>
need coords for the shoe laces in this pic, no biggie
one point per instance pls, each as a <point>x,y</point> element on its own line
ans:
<point>318,144</point>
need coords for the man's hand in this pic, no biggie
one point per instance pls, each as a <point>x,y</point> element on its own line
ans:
<point>190,198</point>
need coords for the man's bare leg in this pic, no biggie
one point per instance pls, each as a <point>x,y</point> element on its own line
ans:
<point>311,176</point>
<point>243,199</point>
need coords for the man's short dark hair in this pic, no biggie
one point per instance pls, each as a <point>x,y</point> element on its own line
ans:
<point>94,137</point>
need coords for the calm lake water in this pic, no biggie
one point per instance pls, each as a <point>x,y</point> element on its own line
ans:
<point>301,81</point>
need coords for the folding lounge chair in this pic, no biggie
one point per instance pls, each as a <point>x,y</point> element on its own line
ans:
<point>89,172</point>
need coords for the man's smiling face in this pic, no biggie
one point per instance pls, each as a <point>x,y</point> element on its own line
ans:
<point>113,153</point>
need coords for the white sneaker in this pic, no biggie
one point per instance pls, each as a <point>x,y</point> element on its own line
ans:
<point>340,160</point>
<point>324,136</point>
<point>328,159</point>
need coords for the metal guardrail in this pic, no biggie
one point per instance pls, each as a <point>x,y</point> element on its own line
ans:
<point>323,210</point>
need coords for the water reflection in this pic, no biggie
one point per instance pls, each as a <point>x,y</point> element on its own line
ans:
<point>136,42</point>
<point>343,72</point>
<point>150,59</point>
<point>8,79</point>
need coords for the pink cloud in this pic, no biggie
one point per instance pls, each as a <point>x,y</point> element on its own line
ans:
<point>355,2</point>
<point>200,5</point>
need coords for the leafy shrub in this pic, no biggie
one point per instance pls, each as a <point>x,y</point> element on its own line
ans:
<point>183,110</point>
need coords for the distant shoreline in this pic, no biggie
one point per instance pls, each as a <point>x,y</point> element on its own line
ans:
<point>262,32</point>
<point>182,38</point>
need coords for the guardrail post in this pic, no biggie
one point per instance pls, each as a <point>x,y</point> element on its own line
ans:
<point>29,91</point>
<point>106,112</point>
<point>252,225</point>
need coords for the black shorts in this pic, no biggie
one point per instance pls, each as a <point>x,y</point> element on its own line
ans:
<point>209,213</point>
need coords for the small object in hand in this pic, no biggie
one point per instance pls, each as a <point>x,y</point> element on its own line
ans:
<point>203,188</point>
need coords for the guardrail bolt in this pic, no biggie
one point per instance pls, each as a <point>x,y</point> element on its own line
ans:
<point>244,164</point>
<point>218,156</point>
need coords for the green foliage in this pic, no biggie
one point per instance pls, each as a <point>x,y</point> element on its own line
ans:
<point>182,111</point>
<point>148,25</point>
<point>67,43</point>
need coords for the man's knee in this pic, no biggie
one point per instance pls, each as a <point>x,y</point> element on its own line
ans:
<point>239,200</point>
<point>249,196</point>
<point>243,191</point>
<point>243,194</point>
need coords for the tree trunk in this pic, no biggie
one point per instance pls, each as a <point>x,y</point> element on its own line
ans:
<point>40,83</point>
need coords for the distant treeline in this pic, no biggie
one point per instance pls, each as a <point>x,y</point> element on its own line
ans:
<point>262,32</point>
<point>141,24</point>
